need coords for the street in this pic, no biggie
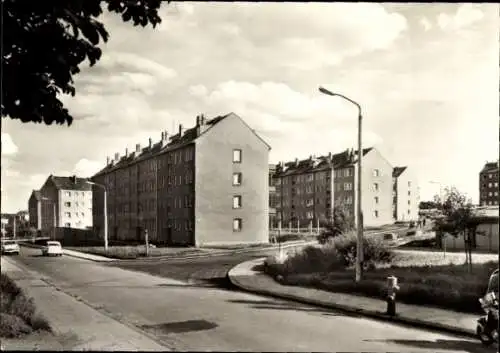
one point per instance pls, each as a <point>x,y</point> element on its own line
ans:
<point>189,316</point>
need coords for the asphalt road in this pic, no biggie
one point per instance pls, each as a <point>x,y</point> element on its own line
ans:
<point>184,316</point>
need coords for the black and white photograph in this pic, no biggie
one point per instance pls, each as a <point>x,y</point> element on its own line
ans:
<point>250,176</point>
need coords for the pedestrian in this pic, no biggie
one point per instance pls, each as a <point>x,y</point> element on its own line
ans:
<point>424,221</point>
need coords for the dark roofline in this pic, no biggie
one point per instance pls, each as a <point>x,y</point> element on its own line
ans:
<point>155,150</point>
<point>397,171</point>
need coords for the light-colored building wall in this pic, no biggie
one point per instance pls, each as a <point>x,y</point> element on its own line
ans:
<point>214,191</point>
<point>407,196</point>
<point>377,189</point>
<point>74,209</point>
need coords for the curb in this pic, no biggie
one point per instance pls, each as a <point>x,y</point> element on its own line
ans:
<point>354,310</point>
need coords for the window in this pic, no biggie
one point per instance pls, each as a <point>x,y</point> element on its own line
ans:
<point>375,214</point>
<point>490,176</point>
<point>376,199</point>
<point>409,203</point>
<point>76,204</point>
<point>409,212</point>
<point>490,194</point>
<point>67,225</point>
<point>67,204</point>
<point>409,193</point>
<point>490,185</point>
<point>375,186</point>
<point>309,215</point>
<point>346,172</point>
<point>237,177</point>
<point>310,202</point>
<point>496,193</point>
<point>347,186</point>
<point>348,200</point>
<point>67,214</point>
<point>68,193</point>
<point>376,172</point>
<point>496,185</point>
<point>409,184</point>
<point>237,201</point>
<point>236,156</point>
<point>83,214</point>
<point>237,224</point>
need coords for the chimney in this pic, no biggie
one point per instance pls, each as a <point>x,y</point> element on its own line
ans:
<point>310,157</point>
<point>296,162</point>
<point>108,160</point>
<point>329,156</point>
<point>137,148</point>
<point>126,152</point>
<point>164,138</point>
<point>180,130</point>
<point>201,125</point>
<point>150,142</point>
<point>117,157</point>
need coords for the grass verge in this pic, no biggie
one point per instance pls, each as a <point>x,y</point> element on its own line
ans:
<point>18,314</point>
<point>425,278</point>
<point>133,252</point>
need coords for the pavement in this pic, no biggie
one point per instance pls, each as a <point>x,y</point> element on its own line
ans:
<point>80,326</point>
<point>245,277</point>
<point>183,316</point>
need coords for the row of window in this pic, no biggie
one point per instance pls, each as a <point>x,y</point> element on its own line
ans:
<point>76,214</point>
<point>490,203</point>
<point>74,193</point>
<point>490,176</point>
<point>490,194</point>
<point>490,185</point>
<point>76,204</point>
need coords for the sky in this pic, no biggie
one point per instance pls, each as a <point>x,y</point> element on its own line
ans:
<point>426,76</point>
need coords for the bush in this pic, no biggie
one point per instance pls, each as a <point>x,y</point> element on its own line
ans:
<point>12,326</point>
<point>337,254</point>
<point>18,311</point>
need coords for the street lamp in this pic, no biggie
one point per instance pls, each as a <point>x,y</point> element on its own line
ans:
<point>359,252</point>
<point>105,213</point>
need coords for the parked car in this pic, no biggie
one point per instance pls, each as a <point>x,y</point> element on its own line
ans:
<point>10,247</point>
<point>52,248</point>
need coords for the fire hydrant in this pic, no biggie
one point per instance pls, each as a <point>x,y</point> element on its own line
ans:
<point>392,288</point>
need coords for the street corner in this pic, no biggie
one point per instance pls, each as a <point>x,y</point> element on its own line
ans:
<point>245,268</point>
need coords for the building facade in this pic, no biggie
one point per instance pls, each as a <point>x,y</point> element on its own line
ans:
<point>273,199</point>
<point>308,190</point>
<point>200,186</point>
<point>488,184</point>
<point>405,193</point>
<point>61,202</point>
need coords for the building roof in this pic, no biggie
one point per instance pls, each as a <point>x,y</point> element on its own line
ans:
<point>65,183</point>
<point>397,171</point>
<point>490,167</point>
<point>176,141</point>
<point>37,194</point>
<point>313,164</point>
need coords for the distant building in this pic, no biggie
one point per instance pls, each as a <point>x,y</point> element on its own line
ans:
<point>35,209</point>
<point>202,186</point>
<point>488,184</point>
<point>272,197</point>
<point>62,202</point>
<point>406,196</point>
<point>307,190</point>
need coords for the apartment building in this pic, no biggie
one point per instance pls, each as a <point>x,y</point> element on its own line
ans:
<point>204,185</point>
<point>488,184</point>
<point>272,197</point>
<point>61,202</point>
<point>405,193</point>
<point>308,189</point>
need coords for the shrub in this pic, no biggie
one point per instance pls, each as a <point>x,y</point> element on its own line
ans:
<point>374,250</point>
<point>12,326</point>
<point>40,323</point>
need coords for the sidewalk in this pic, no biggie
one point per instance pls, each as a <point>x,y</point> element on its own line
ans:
<point>245,278</point>
<point>76,325</point>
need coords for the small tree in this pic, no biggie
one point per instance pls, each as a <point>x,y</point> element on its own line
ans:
<point>457,219</point>
<point>342,223</point>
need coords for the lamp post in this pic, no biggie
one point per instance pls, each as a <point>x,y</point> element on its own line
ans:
<point>359,252</point>
<point>105,213</point>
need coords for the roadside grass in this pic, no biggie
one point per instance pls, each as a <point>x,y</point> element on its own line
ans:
<point>133,252</point>
<point>240,246</point>
<point>18,314</point>
<point>424,278</point>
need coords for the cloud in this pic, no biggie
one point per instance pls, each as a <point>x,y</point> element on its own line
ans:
<point>86,168</point>
<point>8,146</point>
<point>426,24</point>
<point>466,15</point>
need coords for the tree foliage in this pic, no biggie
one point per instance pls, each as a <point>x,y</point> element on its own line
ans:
<point>342,223</point>
<point>44,43</point>
<point>458,218</point>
